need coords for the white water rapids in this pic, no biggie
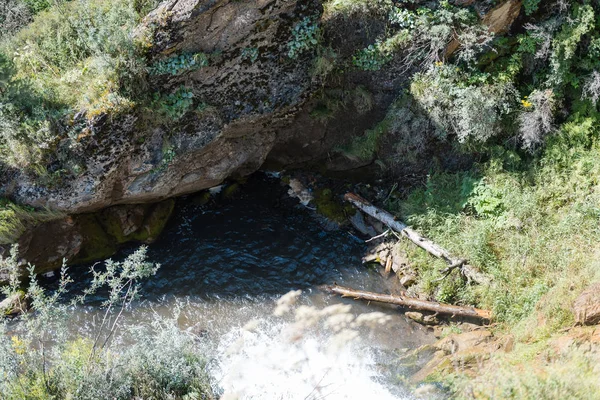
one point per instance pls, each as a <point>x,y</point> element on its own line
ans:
<point>268,362</point>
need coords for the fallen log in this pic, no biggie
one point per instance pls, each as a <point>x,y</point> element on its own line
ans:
<point>410,302</point>
<point>468,271</point>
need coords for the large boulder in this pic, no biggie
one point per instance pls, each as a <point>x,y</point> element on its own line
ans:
<point>248,91</point>
<point>91,236</point>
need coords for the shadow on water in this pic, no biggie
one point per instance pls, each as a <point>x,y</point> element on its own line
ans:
<point>257,243</point>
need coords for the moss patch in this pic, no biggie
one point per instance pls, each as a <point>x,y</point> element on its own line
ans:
<point>155,222</point>
<point>16,219</point>
<point>230,191</point>
<point>97,244</point>
<point>331,206</point>
<point>202,198</point>
<point>147,221</point>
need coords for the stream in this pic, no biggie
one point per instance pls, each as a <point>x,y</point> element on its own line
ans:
<point>225,264</point>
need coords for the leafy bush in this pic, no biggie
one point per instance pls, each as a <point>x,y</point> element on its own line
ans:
<point>43,360</point>
<point>471,111</point>
<point>531,6</point>
<point>530,223</point>
<point>305,36</point>
<point>74,56</point>
<point>174,106</point>
<point>565,44</point>
<point>37,6</point>
<point>537,117</point>
<point>178,64</point>
<point>351,8</point>
<point>13,16</point>
<point>364,147</point>
<point>591,89</point>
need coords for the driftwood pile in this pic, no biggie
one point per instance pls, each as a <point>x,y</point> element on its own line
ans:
<point>384,253</point>
<point>468,271</point>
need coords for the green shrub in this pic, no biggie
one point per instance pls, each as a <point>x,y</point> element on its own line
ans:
<point>566,43</point>
<point>364,147</point>
<point>360,8</point>
<point>45,360</point>
<point>470,111</point>
<point>14,15</point>
<point>74,56</point>
<point>531,224</point>
<point>372,58</point>
<point>37,6</point>
<point>531,6</point>
<point>305,36</point>
<point>178,64</point>
<point>175,105</point>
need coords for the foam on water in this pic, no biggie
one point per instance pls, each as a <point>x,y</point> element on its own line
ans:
<point>272,362</point>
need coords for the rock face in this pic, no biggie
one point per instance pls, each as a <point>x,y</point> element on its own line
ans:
<point>587,306</point>
<point>136,158</point>
<point>251,102</point>
<point>462,353</point>
<point>89,237</point>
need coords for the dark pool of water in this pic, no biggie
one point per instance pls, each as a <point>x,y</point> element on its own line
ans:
<point>259,242</point>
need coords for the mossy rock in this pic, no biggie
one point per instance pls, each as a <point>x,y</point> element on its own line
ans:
<point>142,223</point>
<point>202,198</point>
<point>230,191</point>
<point>155,222</point>
<point>97,243</point>
<point>121,222</point>
<point>15,303</point>
<point>331,206</point>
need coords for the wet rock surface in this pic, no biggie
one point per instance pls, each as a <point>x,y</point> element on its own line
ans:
<point>89,237</point>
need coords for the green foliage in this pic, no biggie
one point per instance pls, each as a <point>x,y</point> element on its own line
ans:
<point>74,56</point>
<point>329,102</point>
<point>565,44</point>
<point>179,64</point>
<point>470,110</point>
<point>360,8</point>
<point>14,14</point>
<point>569,374</point>
<point>372,58</point>
<point>175,105</point>
<point>530,6</point>
<point>15,219</point>
<point>305,36</point>
<point>37,6</point>
<point>531,224</point>
<point>45,360</point>
<point>364,147</point>
<point>168,155</point>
